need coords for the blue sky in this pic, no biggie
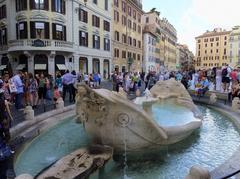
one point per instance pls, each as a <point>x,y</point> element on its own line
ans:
<point>193,17</point>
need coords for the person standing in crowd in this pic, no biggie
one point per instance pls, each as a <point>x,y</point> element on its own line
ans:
<point>95,80</point>
<point>99,78</point>
<point>72,85</point>
<point>86,78</point>
<point>58,82</point>
<point>42,89</point>
<point>218,79</point>
<point>67,81</point>
<point>56,94</point>
<point>33,91</point>
<point>7,94</point>
<point>19,94</point>
<point>226,78</point>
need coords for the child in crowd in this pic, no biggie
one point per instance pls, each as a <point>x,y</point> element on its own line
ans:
<point>56,94</point>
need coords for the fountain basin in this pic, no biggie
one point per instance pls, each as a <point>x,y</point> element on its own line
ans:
<point>108,117</point>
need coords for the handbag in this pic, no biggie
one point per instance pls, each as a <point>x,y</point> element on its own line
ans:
<point>12,88</point>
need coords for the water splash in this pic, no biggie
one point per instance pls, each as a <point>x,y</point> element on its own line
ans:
<point>125,155</point>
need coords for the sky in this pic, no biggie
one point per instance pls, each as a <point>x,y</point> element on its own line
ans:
<point>192,18</point>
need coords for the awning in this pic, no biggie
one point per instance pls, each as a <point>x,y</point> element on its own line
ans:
<point>61,66</point>
<point>2,67</point>
<point>20,66</point>
<point>40,67</point>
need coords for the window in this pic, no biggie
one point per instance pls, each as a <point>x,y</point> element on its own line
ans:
<point>139,18</point>
<point>39,4</point>
<point>211,44</point>
<point>134,56</point>
<point>21,5</point>
<point>216,50</point>
<point>225,38</point>
<point>116,3</point>
<point>106,5</point>
<point>83,16</point>
<point>199,41</point>
<point>217,44</point>
<point>124,20</point>
<point>96,42</point>
<point>116,52</point>
<point>205,45</point>
<point>116,36</point>
<point>138,57</point>
<point>124,38</point>
<point>129,11</point>
<point>199,46</point>
<point>199,53</point>
<point>59,32</point>
<point>3,36</point>
<point>106,44</point>
<point>211,51</point>
<point>116,16</point>
<point>134,42</point>
<point>3,12</point>
<point>83,38</point>
<point>58,6</point>
<point>95,21</point>
<point>39,30</point>
<point>129,24</point>
<point>205,51</point>
<point>225,51</point>
<point>225,43</point>
<point>147,20</point>
<point>139,44</point>
<point>129,54</point>
<point>134,26</point>
<point>217,38</point>
<point>139,29</point>
<point>21,30</point>
<point>130,40</point>
<point>123,6</point>
<point>106,26</point>
<point>134,14</point>
<point>95,1</point>
<point>123,54</point>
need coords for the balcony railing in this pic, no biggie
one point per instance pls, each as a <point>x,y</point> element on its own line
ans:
<point>40,43</point>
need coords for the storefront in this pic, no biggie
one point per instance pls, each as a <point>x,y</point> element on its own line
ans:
<point>96,66</point>
<point>106,69</point>
<point>41,64</point>
<point>22,63</point>
<point>60,64</point>
<point>83,65</point>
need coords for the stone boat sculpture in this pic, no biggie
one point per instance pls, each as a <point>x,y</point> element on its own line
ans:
<point>111,119</point>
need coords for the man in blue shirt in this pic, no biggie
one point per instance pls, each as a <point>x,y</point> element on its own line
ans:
<point>67,81</point>
<point>19,86</point>
<point>205,86</point>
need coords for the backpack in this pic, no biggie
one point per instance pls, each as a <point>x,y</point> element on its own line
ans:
<point>224,72</point>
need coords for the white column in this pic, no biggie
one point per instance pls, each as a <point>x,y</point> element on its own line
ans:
<point>76,63</point>
<point>101,66</point>
<point>90,65</point>
<point>51,65</point>
<point>31,64</point>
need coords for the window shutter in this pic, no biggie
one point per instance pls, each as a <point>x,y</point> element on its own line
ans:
<point>46,5</point>
<point>65,34</point>
<point>86,16</point>
<point>53,5</point>
<point>17,31</point>
<point>86,39</point>
<point>93,20</point>
<point>1,37</point>
<point>46,30</point>
<point>33,30</point>
<point>93,40</point>
<point>25,30</point>
<point>25,5</point>
<point>54,31</point>
<point>63,6</point>
<point>80,35</point>
<point>32,4</point>
<point>6,36</point>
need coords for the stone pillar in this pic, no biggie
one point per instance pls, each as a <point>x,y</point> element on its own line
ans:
<point>76,63</point>
<point>29,113</point>
<point>51,64</point>
<point>90,65</point>
<point>31,64</point>
<point>101,66</point>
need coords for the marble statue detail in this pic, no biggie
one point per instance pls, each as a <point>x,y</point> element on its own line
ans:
<point>108,116</point>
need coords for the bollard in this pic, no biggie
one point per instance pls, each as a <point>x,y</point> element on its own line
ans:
<point>29,113</point>
<point>198,172</point>
<point>60,103</point>
<point>24,176</point>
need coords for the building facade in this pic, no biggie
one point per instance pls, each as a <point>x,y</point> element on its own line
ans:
<point>234,47</point>
<point>165,41</point>
<point>45,36</point>
<point>185,57</point>
<point>127,35</point>
<point>212,49</point>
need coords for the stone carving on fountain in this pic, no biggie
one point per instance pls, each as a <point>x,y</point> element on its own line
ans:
<point>109,116</point>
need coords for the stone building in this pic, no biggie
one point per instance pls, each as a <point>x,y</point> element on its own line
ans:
<point>127,35</point>
<point>185,57</point>
<point>55,35</point>
<point>163,43</point>
<point>212,49</point>
<point>234,47</point>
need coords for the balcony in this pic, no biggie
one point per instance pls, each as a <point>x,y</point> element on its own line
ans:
<point>40,44</point>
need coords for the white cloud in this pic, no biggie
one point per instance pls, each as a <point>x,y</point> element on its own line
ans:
<point>205,15</point>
